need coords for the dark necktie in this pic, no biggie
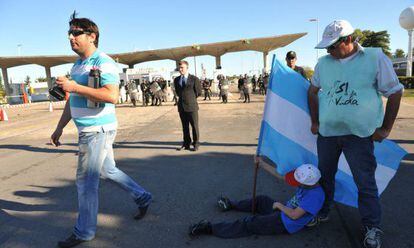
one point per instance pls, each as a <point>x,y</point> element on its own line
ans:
<point>182,81</point>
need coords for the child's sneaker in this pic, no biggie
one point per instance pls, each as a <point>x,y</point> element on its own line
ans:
<point>224,203</point>
<point>202,227</point>
<point>323,218</point>
<point>313,222</point>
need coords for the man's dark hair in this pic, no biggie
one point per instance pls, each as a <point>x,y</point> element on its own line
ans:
<point>86,25</point>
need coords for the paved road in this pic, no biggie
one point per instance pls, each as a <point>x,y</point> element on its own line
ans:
<point>38,198</point>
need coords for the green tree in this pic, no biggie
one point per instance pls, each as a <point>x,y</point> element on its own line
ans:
<point>41,79</point>
<point>27,80</point>
<point>399,53</point>
<point>369,38</point>
<point>308,72</point>
<point>378,39</point>
<point>359,35</point>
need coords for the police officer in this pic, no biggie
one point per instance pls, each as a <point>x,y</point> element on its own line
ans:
<point>224,88</point>
<point>240,87</point>
<point>246,89</point>
<point>206,88</point>
<point>291,62</point>
<point>254,83</point>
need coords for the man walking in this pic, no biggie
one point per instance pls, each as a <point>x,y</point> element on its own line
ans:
<point>347,114</point>
<point>188,88</point>
<point>93,111</point>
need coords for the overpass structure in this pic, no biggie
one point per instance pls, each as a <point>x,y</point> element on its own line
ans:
<point>218,49</point>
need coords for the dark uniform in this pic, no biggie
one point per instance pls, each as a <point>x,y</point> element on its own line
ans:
<point>156,94</point>
<point>265,83</point>
<point>224,88</point>
<point>291,62</point>
<point>240,87</point>
<point>206,88</point>
<point>146,94</point>
<point>301,71</point>
<point>261,85</point>
<point>254,83</point>
<point>246,89</point>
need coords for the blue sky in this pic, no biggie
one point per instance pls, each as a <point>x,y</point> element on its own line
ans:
<point>41,27</point>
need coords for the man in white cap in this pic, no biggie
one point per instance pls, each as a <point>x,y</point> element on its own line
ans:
<point>347,115</point>
<point>273,217</point>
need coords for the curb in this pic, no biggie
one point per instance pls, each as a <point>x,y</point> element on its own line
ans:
<point>25,105</point>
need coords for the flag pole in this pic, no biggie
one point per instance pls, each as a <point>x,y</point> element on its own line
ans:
<point>256,169</point>
<point>257,156</point>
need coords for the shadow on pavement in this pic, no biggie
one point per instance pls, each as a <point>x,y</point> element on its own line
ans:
<point>185,189</point>
<point>171,144</point>
<point>36,149</point>
<point>409,157</point>
<point>135,145</point>
<point>396,202</point>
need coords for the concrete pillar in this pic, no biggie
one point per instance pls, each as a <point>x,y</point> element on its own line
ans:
<point>6,81</point>
<point>265,66</point>
<point>48,77</point>
<point>218,62</point>
<point>410,54</point>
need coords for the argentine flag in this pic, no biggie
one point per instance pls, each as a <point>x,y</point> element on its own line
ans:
<point>286,139</point>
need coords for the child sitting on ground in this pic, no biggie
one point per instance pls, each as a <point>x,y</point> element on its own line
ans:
<point>273,217</point>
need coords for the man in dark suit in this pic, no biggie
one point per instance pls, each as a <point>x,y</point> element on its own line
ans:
<point>188,88</point>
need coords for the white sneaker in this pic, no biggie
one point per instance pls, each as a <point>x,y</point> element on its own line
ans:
<point>372,237</point>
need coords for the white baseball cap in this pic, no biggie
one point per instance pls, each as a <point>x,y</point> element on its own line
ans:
<point>306,174</point>
<point>335,30</point>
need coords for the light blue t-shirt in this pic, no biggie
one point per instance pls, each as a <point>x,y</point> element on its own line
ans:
<point>103,117</point>
<point>310,200</point>
<point>351,88</point>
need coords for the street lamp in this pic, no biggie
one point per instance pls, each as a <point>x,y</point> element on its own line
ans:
<point>317,35</point>
<point>197,48</point>
<point>19,49</point>
<point>407,22</point>
<point>195,66</point>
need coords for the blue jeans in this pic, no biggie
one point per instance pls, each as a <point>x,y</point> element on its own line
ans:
<point>266,222</point>
<point>96,157</point>
<point>359,153</point>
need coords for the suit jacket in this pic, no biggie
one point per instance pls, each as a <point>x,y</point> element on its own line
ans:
<point>187,95</point>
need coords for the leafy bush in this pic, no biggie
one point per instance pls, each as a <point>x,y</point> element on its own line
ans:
<point>408,82</point>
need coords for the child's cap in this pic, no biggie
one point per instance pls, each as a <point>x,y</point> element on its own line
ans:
<point>306,174</point>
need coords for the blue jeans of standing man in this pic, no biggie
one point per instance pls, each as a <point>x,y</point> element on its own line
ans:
<point>359,153</point>
<point>96,157</point>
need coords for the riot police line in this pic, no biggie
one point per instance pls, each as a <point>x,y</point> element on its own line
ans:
<point>159,90</point>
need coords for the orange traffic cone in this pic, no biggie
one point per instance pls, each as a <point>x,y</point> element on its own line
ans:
<point>3,115</point>
<point>50,107</point>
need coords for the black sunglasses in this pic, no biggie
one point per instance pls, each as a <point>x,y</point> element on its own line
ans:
<point>336,44</point>
<point>76,33</point>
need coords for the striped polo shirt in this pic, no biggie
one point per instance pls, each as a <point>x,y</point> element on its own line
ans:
<point>103,117</point>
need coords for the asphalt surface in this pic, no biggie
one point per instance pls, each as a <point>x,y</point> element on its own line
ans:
<point>38,204</point>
